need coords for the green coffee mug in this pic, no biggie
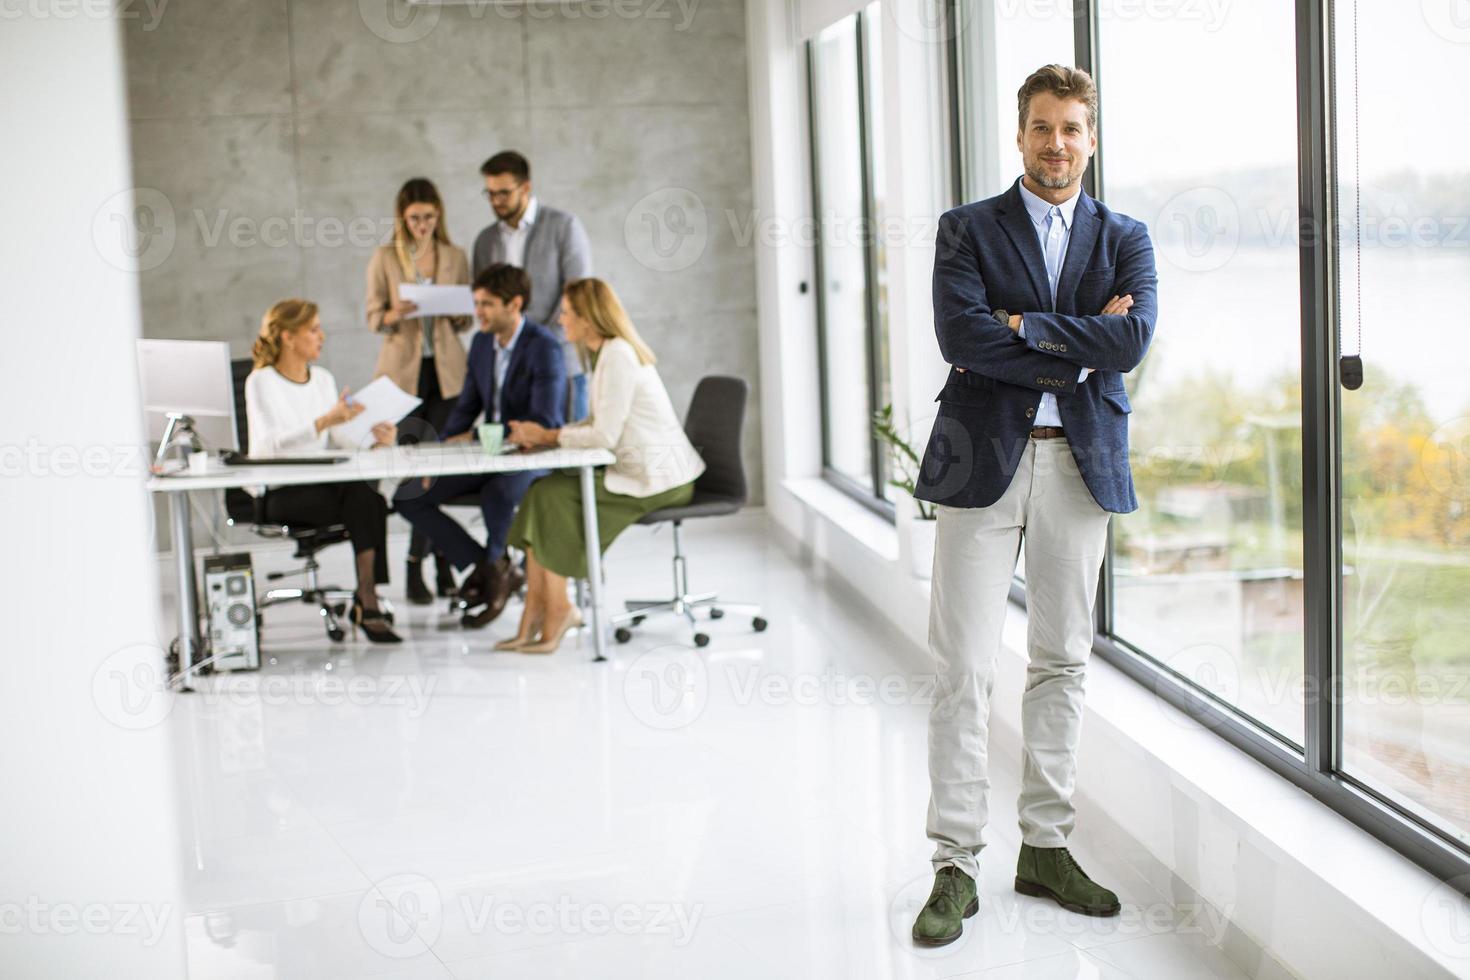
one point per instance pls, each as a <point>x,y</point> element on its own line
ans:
<point>492,434</point>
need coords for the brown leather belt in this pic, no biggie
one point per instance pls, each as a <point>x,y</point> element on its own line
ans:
<point>1047,432</point>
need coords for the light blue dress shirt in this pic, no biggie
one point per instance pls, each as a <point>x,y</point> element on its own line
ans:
<point>1053,225</point>
<point>502,364</point>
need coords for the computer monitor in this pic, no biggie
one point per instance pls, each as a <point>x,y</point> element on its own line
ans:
<point>192,377</point>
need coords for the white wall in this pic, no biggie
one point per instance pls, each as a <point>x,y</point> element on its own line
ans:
<point>88,846</point>
<point>871,554</point>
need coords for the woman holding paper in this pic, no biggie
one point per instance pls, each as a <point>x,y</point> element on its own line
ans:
<point>422,355</point>
<point>293,406</point>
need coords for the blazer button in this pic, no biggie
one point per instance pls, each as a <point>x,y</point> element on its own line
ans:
<point>1030,412</point>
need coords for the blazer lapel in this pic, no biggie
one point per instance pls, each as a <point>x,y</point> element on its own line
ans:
<point>532,235</point>
<point>497,242</point>
<point>1022,233</point>
<point>1079,252</point>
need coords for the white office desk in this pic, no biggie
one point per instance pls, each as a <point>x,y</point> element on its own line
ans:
<point>397,463</point>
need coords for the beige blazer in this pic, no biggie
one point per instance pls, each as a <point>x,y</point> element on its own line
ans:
<point>633,417</point>
<point>403,343</point>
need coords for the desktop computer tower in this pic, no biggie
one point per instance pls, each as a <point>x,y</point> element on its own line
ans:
<point>229,599</point>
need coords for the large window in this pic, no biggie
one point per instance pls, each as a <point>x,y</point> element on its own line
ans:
<point>847,182</point>
<point>1297,572</point>
<point>1403,168</point>
<point>1207,574</point>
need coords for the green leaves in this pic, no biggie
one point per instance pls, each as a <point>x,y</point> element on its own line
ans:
<point>903,457</point>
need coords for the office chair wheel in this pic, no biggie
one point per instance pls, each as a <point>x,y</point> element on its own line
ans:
<point>759,625</point>
<point>716,613</point>
<point>622,635</point>
<point>337,634</point>
<point>701,640</point>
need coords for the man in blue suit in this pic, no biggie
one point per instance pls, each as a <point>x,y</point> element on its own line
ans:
<point>1043,299</point>
<point>515,373</point>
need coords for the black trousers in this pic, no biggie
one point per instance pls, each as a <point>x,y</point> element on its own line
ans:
<point>358,505</point>
<point>425,424</point>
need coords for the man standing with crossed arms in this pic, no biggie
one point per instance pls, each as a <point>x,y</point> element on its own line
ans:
<point>1043,300</point>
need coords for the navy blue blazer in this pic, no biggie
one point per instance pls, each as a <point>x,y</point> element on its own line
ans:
<point>535,381</point>
<point>988,258</point>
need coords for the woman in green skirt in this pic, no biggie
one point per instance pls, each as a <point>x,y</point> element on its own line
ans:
<point>631,416</point>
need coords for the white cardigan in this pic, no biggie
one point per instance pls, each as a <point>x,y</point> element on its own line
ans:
<point>282,414</point>
<point>633,417</point>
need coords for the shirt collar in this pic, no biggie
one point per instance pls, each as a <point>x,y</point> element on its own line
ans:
<point>533,207</point>
<point>520,324</point>
<point>1037,208</point>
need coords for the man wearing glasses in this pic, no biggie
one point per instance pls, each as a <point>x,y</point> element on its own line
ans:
<point>550,245</point>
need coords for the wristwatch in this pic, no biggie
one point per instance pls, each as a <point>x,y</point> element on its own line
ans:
<point>1003,317</point>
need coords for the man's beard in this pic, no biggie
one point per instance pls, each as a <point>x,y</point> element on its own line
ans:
<point>1038,173</point>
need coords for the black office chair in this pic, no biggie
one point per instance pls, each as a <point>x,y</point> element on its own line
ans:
<point>716,417</point>
<point>244,509</point>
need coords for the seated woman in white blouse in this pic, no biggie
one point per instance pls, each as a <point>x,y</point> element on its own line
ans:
<point>294,407</point>
<point>631,416</point>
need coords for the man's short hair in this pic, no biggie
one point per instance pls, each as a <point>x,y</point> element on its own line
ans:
<point>1064,82</point>
<point>507,162</point>
<point>505,281</point>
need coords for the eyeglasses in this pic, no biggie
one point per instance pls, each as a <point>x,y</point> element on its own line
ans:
<point>490,195</point>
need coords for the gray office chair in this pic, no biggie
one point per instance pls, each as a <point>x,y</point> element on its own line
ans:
<point>244,509</point>
<point>716,417</point>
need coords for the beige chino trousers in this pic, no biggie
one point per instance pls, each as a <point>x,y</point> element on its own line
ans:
<point>1064,530</point>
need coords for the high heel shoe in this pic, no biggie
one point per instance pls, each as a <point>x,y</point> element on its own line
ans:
<point>548,644</point>
<point>516,642</point>
<point>373,623</point>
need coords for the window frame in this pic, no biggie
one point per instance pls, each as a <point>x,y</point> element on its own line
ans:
<point>871,496</point>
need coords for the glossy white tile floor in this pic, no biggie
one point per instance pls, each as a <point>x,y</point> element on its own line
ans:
<point>754,809</point>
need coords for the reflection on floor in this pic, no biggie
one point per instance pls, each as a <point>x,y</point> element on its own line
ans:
<point>753,809</point>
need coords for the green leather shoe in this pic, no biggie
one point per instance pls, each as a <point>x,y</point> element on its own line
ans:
<point>1052,872</point>
<point>951,902</point>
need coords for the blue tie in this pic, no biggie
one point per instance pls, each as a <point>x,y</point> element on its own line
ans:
<point>1054,235</point>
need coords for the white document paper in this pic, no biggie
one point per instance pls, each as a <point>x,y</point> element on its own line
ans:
<point>438,300</point>
<point>381,401</point>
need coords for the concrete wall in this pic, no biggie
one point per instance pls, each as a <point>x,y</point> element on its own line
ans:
<point>278,131</point>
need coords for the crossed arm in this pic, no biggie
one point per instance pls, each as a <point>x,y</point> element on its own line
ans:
<point>1042,350</point>
<point>1116,338</point>
<point>970,337</point>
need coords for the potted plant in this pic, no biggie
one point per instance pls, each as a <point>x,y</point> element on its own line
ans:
<point>904,470</point>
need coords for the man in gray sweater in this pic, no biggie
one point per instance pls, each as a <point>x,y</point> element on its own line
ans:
<point>550,245</point>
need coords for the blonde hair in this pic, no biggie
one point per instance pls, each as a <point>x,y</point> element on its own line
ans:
<point>594,301</point>
<point>417,190</point>
<point>283,318</point>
